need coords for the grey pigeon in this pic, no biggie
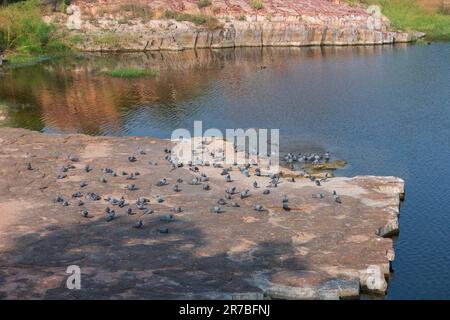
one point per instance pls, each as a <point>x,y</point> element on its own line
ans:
<point>167,218</point>
<point>255,184</point>
<point>111,216</point>
<point>131,187</point>
<point>80,203</point>
<point>221,202</point>
<point>61,176</point>
<point>217,210</point>
<point>337,199</point>
<point>73,158</point>
<point>103,180</point>
<point>228,178</point>
<point>266,192</point>
<point>132,159</point>
<point>285,199</point>
<point>77,195</point>
<point>87,168</point>
<point>85,213</point>
<point>162,182</point>
<point>138,225</point>
<point>159,199</point>
<point>245,194</point>
<point>286,206</point>
<point>29,167</point>
<point>206,187</point>
<point>83,184</point>
<point>258,207</point>
<point>163,230</point>
<point>235,205</point>
<point>176,188</point>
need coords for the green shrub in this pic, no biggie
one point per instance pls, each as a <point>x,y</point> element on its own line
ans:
<point>203,4</point>
<point>131,72</point>
<point>22,30</point>
<point>257,4</point>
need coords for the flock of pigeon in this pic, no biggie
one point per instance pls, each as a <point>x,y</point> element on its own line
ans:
<point>200,179</point>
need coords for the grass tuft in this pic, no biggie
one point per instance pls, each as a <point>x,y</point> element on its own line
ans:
<point>132,72</point>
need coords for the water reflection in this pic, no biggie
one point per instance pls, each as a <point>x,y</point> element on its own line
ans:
<point>74,95</point>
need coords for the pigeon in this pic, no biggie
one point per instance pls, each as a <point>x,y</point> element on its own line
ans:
<point>206,187</point>
<point>194,181</point>
<point>163,230</point>
<point>167,218</point>
<point>228,178</point>
<point>83,184</point>
<point>93,196</point>
<point>61,176</point>
<point>224,172</point>
<point>141,151</point>
<point>162,182</point>
<point>148,211</point>
<point>130,212</point>
<point>64,169</point>
<point>103,180</point>
<point>80,203</point>
<point>65,203</point>
<point>255,184</point>
<point>77,195</point>
<point>176,188</point>
<point>318,196</point>
<point>286,206</point>
<point>111,216</point>
<point>73,158</point>
<point>29,167</point>
<point>245,194</point>
<point>59,199</point>
<point>231,190</point>
<point>159,199</point>
<point>87,168</point>
<point>138,225</point>
<point>337,199</point>
<point>121,203</point>
<point>85,213</point>
<point>285,199</point>
<point>317,183</point>
<point>266,192</point>
<point>221,202</point>
<point>235,205</point>
<point>258,172</point>
<point>132,159</point>
<point>217,210</point>
<point>179,180</point>
<point>258,207</point>
<point>131,187</point>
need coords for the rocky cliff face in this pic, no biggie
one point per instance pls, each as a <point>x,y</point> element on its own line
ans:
<point>114,25</point>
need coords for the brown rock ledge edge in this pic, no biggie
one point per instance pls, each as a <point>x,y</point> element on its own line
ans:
<point>112,26</point>
<point>318,250</point>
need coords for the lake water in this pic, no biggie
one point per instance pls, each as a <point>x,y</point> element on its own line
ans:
<point>384,109</point>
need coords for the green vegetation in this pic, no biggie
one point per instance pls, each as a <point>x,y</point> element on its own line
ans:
<point>203,3</point>
<point>25,37</point>
<point>132,72</point>
<point>408,15</point>
<point>198,19</point>
<point>257,4</point>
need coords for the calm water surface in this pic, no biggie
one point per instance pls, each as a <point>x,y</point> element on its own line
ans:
<point>384,109</point>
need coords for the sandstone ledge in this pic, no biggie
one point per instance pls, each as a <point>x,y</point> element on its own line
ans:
<point>105,26</point>
<point>318,250</point>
